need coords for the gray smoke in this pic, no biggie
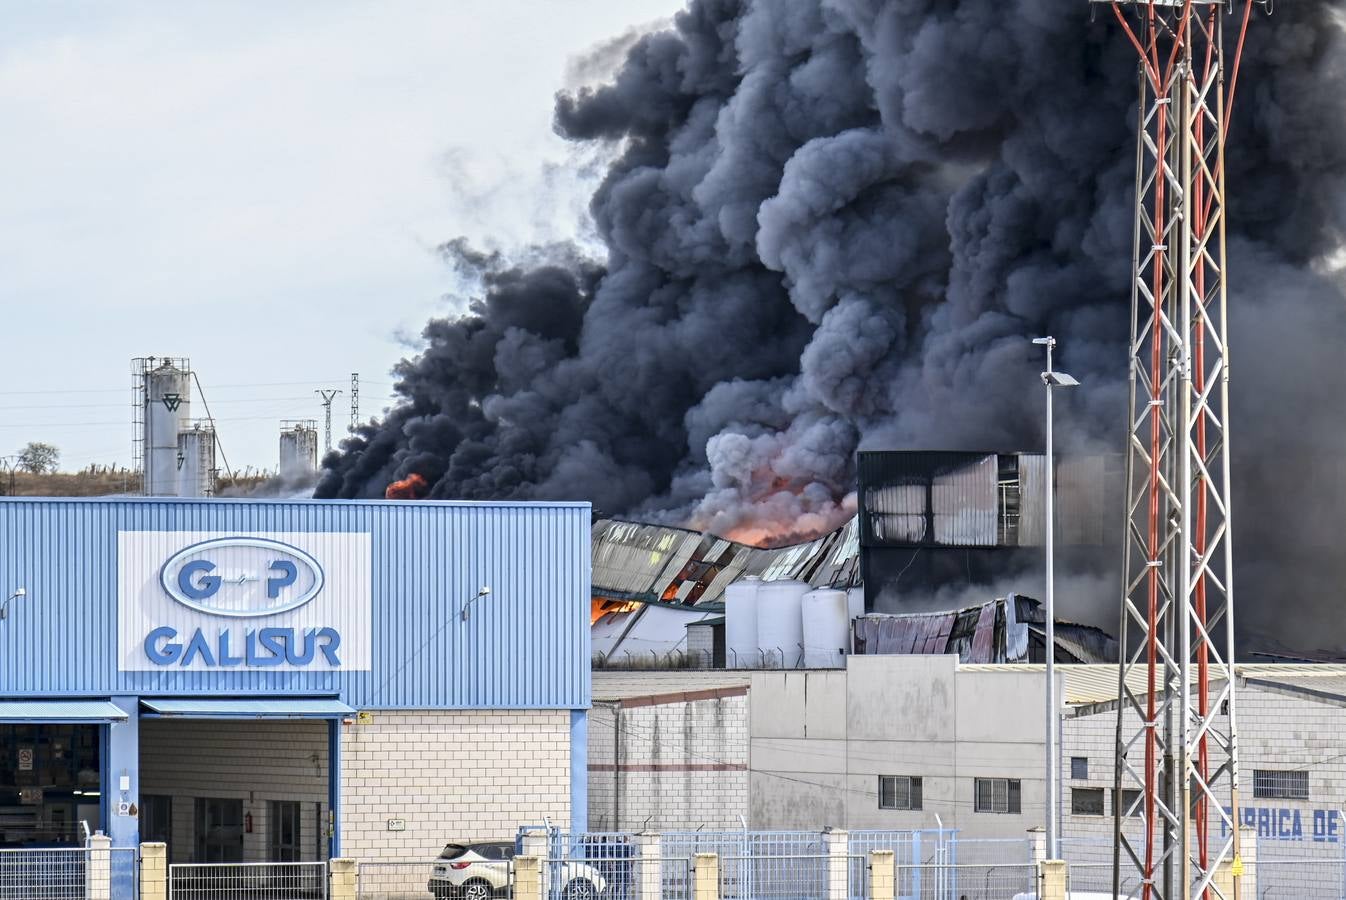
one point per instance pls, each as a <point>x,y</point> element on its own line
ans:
<point>833,224</point>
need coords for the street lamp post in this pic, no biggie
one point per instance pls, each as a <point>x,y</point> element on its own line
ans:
<point>1051,379</point>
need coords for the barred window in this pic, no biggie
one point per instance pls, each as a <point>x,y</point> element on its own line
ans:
<point>997,795</point>
<point>1273,784</point>
<point>1086,801</point>
<point>1079,768</point>
<point>899,792</point>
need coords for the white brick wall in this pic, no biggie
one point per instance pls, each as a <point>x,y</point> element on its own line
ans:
<point>680,765</point>
<point>475,774</point>
<point>253,761</point>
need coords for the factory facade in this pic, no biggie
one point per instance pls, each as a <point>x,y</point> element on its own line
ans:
<point>920,742</point>
<point>289,681</point>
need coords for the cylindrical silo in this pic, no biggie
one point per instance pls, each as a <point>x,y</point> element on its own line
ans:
<point>740,624</point>
<point>855,602</point>
<point>780,625</point>
<point>298,449</point>
<point>196,450</point>
<point>167,397</point>
<point>826,621</point>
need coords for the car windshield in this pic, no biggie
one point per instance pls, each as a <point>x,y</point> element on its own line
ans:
<point>452,851</point>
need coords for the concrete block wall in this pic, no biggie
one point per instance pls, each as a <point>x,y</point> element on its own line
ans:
<point>1277,731</point>
<point>664,762</point>
<point>450,774</point>
<point>252,761</point>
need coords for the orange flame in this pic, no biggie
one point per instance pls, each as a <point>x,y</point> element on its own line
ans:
<point>413,487</point>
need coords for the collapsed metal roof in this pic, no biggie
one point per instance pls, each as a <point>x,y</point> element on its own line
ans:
<point>1006,630</point>
<point>660,563</point>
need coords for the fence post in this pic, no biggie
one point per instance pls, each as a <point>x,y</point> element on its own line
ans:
<point>536,843</point>
<point>1053,874</point>
<point>341,875</point>
<point>153,871</point>
<point>527,878</point>
<point>1038,835</point>
<point>98,874</point>
<point>838,844</point>
<point>648,875</point>
<point>706,877</point>
<point>882,875</point>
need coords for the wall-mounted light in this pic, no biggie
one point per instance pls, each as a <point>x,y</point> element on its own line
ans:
<point>4,607</point>
<point>483,591</point>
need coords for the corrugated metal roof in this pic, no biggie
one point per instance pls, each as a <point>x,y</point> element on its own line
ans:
<point>1085,684</point>
<point>673,565</point>
<point>526,646</point>
<point>64,712</point>
<point>275,708</point>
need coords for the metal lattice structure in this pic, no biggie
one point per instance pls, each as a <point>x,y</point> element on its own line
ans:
<point>1177,751</point>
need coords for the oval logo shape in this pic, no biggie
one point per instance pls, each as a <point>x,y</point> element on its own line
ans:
<point>242,577</point>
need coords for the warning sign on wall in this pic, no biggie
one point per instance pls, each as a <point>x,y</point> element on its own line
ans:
<point>25,759</point>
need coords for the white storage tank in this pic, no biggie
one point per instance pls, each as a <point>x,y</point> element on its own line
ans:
<point>298,449</point>
<point>166,394</point>
<point>855,598</point>
<point>740,624</point>
<point>780,623</point>
<point>826,624</point>
<point>196,462</point>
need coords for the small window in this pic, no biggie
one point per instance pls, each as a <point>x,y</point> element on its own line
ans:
<point>899,792</point>
<point>1131,805</point>
<point>1079,768</point>
<point>1086,801</point>
<point>997,795</point>
<point>1272,784</point>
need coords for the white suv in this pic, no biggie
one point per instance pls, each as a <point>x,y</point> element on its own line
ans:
<point>477,871</point>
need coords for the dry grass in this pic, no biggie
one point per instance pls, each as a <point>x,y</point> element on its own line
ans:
<point>96,481</point>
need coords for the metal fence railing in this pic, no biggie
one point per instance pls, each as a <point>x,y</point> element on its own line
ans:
<point>968,882</point>
<point>414,880</point>
<point>1298,879</point>
<point>248,881</point>
<point>48,874</point>
<point>787,877</point>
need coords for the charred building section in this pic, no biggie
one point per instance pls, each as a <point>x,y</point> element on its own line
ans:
<point>932,522</point>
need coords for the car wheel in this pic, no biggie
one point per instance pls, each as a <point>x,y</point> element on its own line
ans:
<point>580,889</point>
<point>476,889</point>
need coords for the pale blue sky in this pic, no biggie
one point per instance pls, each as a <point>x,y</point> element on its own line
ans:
<point>258,186</point>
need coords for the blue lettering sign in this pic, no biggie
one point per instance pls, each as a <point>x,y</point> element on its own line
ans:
<point>203,588</point>
<point>265,647</point>
<point>158,647</point>
<point>289,574</point>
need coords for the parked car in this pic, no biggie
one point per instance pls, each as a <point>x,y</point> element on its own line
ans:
<point>479,870</point>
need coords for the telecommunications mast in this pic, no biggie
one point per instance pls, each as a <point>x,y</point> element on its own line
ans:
<point>1176,799</point>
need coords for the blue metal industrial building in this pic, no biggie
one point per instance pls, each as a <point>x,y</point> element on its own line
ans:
<point>182,669</point>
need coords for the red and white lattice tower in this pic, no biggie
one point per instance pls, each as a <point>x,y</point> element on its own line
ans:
<point>1176,800</point>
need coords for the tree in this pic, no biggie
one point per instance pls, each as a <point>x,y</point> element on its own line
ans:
<point>39,458</point>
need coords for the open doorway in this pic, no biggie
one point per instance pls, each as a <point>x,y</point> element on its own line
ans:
<point>50,783</point>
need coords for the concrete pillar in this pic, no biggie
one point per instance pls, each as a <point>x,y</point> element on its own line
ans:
<point>536,844</point>
<point>527,878</point>
<point>98,873</point>
<point>579,772</point>
<point>838,846</point>
<point>342,874</point>
<point>882,875</point>
<point>1053,873</point>
<point>1038,835</point>
<point>648,864</point>
<point>706,877</point>
<point>153,872</point>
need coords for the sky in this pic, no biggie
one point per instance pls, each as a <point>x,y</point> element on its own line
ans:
<point>260,188</point>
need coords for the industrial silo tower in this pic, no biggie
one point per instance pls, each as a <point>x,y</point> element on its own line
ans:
<point>298,448</point>
<point>197,470</point>
<point>162,409</point>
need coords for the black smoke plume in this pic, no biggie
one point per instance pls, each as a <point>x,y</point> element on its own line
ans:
<point>835,223</point>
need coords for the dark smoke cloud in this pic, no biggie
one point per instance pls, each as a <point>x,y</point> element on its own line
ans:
<point>834,223</point>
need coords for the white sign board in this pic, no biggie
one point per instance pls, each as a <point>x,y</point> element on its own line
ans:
<point>25,759</point>
<point>224,601</point>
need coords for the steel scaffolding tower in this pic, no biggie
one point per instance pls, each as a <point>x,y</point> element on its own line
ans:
<point>1176,799</point>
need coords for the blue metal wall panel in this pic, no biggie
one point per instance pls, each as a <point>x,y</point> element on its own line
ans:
<point>526,646</point>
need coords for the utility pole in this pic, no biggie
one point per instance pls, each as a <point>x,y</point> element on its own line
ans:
<point>327,398</point>
<point>355,399</point>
